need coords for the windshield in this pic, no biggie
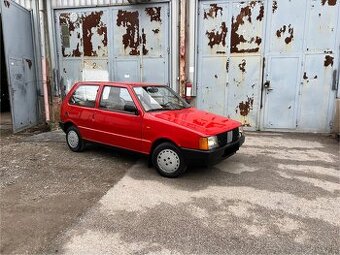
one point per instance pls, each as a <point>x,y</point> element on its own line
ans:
<point>158,98</point>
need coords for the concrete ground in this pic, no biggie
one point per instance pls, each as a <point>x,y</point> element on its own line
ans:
<point>280,194</point>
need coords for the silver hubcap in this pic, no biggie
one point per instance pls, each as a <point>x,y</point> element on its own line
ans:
<point>73,139</point>
<point>168,161</point>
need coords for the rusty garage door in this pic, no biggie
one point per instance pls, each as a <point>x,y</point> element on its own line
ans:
<point>270,64</point>
<point>123,43</point>
<point>20,63</point>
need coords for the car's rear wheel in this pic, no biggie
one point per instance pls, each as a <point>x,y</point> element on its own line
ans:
<point>168,160</point>
<point>74,140</point>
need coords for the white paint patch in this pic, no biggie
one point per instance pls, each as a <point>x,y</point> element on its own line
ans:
<point>240,209</point>
<point>197,212</point>
<point>279,141</point>
<point>255,230</point>
<point>301,237</point>
<point>311,169</point>
<point>135,195</point>
<point>292,154</point>
<point>287,225</point>
<point>96,242</point>
<point>235,167</point>
<point>325,185</point>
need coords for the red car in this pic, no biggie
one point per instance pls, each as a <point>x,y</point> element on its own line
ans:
<point>149,119</point>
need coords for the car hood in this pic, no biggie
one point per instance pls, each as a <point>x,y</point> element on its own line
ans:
<point>203,122</point>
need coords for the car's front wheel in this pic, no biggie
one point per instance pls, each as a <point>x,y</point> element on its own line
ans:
<point>168,160</point>
<point>74,140</point>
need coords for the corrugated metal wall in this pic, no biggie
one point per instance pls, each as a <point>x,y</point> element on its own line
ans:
<point>83,3</point>
<point>25,3</point>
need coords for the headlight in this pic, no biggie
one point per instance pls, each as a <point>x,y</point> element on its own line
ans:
<point>208,143</point>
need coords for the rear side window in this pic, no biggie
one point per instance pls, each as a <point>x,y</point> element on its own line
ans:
<point>115,99</point>
<point>84,95</point>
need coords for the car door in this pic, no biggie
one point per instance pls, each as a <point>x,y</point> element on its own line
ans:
<point>116,125</point>
<point>81,109</point>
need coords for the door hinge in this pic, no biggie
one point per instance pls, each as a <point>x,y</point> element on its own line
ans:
<point>168,12</point>
<point>296,123</point>
<point>168,50</point>
<point>331,124</point>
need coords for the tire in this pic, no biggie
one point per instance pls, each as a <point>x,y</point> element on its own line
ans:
<point>168,160</point>
<point>74,140</point>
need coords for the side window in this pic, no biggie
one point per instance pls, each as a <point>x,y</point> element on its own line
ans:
<point>116,99</point>
<point>85,95</point>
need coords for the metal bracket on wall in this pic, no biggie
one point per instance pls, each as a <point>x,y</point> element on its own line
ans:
<point>262,82</point>
<point>335,83</point>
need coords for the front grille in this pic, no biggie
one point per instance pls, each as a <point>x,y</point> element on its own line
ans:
<point>225,138</point>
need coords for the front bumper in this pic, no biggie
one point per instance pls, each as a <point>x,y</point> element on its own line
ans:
<point>199,157</point>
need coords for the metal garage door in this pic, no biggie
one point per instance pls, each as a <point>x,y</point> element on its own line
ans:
<point>20,62</point>
<point>269,64</point>
<point>123,43</point>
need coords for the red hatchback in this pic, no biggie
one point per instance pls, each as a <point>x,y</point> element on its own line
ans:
<point>150,119</point>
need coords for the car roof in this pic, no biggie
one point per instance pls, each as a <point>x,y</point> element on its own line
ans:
<point>132,84</point>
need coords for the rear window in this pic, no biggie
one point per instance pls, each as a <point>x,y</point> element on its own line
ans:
<point>84,95</point>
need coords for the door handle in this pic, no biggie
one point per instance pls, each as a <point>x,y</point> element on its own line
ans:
<point>266,85</point>
<point>335,83</point>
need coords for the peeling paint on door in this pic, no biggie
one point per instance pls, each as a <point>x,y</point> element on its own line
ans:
<point>246,28</point>
<point>130,39</point>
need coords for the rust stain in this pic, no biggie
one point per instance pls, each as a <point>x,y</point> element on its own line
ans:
<point>274,7</point>
<point>246,106</point>
<point>261,14</point>
<point>76,52</point>
<point>213,11</point>
<point>329,2</point>
<point>6,3</point>
<point>64,20</point>
<point>154,13</point>
<point>130,21</point>
<point>217,37</point>
<point>29,62</point>
<point>90,21</point>
<point>156,31</point>
<point>283,30</point>
<point>243,65</point>
<point>236,39</point>
<point>328,60</point>
<point>258,40</point>
<point>305,77</point>
<point>145,51</point>
<point>291,34</point>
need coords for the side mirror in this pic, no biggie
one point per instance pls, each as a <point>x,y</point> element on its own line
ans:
<point>131,108</point>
